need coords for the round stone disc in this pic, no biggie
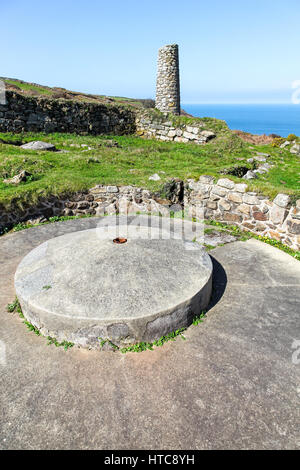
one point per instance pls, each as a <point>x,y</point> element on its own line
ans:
<point>82,286</point>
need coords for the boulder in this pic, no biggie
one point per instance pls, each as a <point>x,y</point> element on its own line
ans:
<point>38,145</point>
<point>17,179</point>
<point>295,149</point>
<point>282,200</point>
<point>285,144</point>
<point>154,177</point>
<point>250,175</point>
<point>208,135</point>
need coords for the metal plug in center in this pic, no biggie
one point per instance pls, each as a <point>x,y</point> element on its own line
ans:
<point>119,241</point>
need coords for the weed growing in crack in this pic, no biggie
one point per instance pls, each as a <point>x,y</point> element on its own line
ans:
<point>15,307</point>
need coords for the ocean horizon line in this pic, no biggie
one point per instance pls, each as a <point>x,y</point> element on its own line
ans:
<point>271,118</point>
<point>189,103</point>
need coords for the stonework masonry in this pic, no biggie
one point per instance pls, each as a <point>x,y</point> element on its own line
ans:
<point>222,200</point>
<point>39,114</point>
<point>167,85</point>
<point>151,128</point>
<point>31,114</point>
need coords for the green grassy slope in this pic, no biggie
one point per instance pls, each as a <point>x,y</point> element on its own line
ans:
<point>76,168</point>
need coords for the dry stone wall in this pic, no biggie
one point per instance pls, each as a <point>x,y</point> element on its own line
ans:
<point>231,202</point>
<point>223,200</point>
<point>166,131</point>
<point>30,114</point>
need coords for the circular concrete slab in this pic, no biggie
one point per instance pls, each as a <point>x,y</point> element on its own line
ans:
<point>81,286</point>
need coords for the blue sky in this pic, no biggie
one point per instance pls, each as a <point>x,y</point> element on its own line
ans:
<point>243,51</point>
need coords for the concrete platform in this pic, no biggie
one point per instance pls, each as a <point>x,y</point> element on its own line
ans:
<point>233,384</point>
<point>82,286</point>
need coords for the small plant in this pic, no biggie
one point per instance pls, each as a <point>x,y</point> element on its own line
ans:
<point>278,141</point>
<point>199,319</point>
<point>16,307</point>
<point>13,306</point>
<point>245,235</point>
<point>31,327</point>
<point>47,287</point>
<point>21,226</point>
<point>108,341</point>
<point>65,344</point>
<point>144,346</point>
<point>291,137</point>
<point>139,347</point>
<point>209,247</point>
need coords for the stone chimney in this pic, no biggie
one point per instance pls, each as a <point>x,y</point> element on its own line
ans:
<point>167,85</point>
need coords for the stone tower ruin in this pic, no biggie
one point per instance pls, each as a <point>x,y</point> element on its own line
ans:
<point>167,85</point>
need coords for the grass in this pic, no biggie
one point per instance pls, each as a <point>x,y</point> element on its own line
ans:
<point>244,235</point>
<point>15,307</point>
<point>144,346</point>
<point>29,87</point>
<point>131,163</point>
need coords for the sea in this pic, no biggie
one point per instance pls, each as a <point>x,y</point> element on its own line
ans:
<point>281,119</point>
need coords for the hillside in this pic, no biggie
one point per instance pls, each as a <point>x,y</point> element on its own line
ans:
<point>36,90</point>
<point>82,161</point>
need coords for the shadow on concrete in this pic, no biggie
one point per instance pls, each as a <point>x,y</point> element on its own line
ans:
<point>219,283</point>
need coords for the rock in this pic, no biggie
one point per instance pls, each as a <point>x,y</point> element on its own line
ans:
<point>294,226</point>
<point>285,144</point>
<point>265,167</point>
<point>277,214</point>
<point>295,149</point>
<point>112,189</point>
<point>17,179</point>
<point>250,199</point>
<point>171,133</point>
<point>261,170</point>
<point>156,208</point>
<point>244,208</point>
<point>226,183</point>
<point>295,213</point>
<point>37,220</point>
<point>154,177</point>
<point>250,175</point>
<point>224,205</point>
<point>208,135</point>
<point>282,200</point>
<point>189,135</point>
<point>260,216</point>
<point>231,217</point>
<point>211,205</point>
<point>38,145</point>
<point>235,197</point>
<point>216,238</point>
<point>110,209</point>
<point>260,154</point>
<point>274,235</point>
<point>241,187</point>
<point>219,191</point>
<point>206,179</point>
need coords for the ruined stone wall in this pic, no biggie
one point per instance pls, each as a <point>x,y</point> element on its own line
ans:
<point>150,127</point>
<point>27,114</point>
<point>167,85</point>
<point>231,202</point>
<point>222,200</point>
